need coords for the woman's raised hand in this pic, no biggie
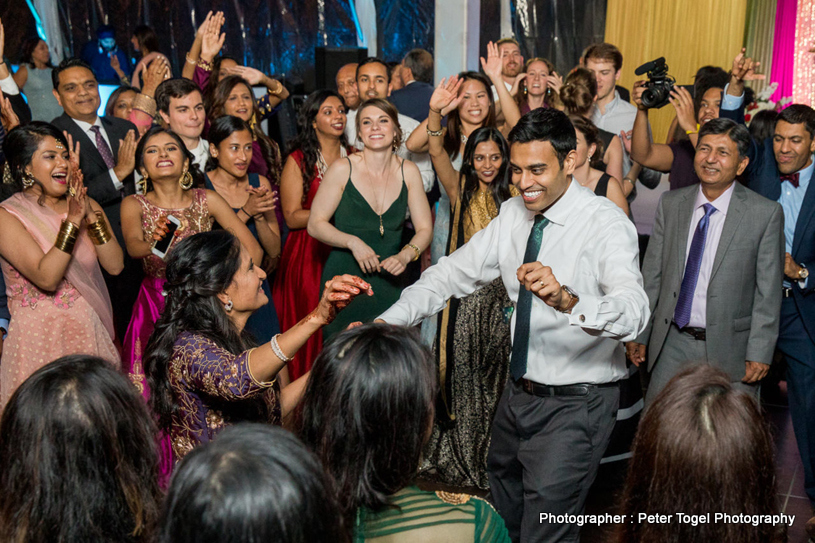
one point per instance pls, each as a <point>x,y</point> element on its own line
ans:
<point>445,97</point>
<point>554,82</point>
<point>78,203</point>
<point>338,293</point>
<point>685,112</point>
<point>213,38</point>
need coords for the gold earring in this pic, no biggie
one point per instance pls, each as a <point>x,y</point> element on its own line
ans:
<point>186,180</point>
<point>28,181</point>
<point>143,183</point>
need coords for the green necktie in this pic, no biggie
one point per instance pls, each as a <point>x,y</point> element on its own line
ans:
<point>520,343</point>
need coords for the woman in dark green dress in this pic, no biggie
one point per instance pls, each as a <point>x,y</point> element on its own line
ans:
<point>360,211</point>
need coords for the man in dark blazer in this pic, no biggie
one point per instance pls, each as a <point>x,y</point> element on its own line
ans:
<point>781,170</point>
<point>107,155</point>
<point>713,270</point>
<point>413,99</point>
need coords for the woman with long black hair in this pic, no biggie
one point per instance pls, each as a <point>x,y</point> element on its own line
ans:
<point>472,344</point>
<point>319,143</point>
<point>204,373</point>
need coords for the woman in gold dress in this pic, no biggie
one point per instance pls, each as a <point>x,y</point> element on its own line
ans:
<point>472,343</point>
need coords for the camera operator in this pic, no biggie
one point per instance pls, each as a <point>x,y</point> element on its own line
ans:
<point>677,156</point>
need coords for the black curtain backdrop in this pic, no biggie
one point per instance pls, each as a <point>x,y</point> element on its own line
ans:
<point>275,36</point>
<point>557,30</point>
<point>279,36</point>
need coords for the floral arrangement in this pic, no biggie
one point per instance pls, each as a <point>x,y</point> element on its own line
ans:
<point>763,102</point>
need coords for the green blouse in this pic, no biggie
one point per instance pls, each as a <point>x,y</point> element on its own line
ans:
<point>431,517</point>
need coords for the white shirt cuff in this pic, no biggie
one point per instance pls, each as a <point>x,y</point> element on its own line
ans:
<point>116,182</point>
<point>729,102</point>
<point>584,311</point>
<point>8,85</point>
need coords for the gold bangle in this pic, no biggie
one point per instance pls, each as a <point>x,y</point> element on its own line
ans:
<point>99,231</point>
<point>189,60</point>
<point>437,133</point>
<point>66,238</point>
<point>145,104</point>
<point>204,65</point>
<point>415,250</point>
<point>279,88</point>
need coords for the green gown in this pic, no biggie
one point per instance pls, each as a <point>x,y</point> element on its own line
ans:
<point>356,217</point>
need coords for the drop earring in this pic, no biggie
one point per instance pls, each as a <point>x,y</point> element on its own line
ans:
<point>228,306</point>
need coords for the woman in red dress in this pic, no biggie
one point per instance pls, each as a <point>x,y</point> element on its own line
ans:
<point>319,143</point>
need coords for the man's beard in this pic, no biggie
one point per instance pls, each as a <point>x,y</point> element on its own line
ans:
<point>511,71</point>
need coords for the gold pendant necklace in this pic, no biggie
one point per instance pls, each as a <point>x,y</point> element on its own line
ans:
<point>384,193</point>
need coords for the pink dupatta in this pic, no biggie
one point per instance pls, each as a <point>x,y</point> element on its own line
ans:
<point>83,272</point>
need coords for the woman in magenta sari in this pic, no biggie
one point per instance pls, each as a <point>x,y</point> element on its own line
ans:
<point>169,174</point>
<point>57,297</point>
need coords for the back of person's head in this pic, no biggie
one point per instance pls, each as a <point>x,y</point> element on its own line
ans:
<point>738,133</point>
<point>604,52</point>
<point>420,63</point>
<point>198,269</point>
<point>710,76</point>
<point>64,65</point>
<point>147,38</point>
<point>578,92</point>
<point>701,447</point>
<point>255,482</point>
<point>798,114</point>
<point>177,87</point>
<point>367,411</point>
<point>79,457</point>
<point>546,124</point>
<point>762,124</point>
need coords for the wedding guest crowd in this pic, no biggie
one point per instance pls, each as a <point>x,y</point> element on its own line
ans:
<point>308,343</point>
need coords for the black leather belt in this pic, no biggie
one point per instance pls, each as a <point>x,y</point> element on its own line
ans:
<point>787,292</point>
<point>581,389</point>
<point>697,333</point>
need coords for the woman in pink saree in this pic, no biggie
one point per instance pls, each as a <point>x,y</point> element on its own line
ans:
<point>54,239</point>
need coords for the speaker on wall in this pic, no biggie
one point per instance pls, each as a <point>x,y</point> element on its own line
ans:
<point>328,61</point>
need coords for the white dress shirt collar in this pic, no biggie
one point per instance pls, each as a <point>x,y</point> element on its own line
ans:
<point>721,203</point>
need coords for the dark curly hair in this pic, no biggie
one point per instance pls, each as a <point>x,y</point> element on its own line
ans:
<point>268,148</point>
<point>306,139</point>
<point>19,148</point>
<point>198,269</point>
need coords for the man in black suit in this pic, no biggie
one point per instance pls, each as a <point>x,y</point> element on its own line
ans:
<point>413,99</point>
<point>107,157</point>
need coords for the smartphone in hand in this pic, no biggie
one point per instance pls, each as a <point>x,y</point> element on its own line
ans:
<point>162,246</point>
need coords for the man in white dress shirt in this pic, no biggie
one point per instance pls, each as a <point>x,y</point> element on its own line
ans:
<point>570,262</point>
<point>373,80</point>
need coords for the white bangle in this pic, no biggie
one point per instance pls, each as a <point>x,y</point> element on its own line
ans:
<point>278,351</point>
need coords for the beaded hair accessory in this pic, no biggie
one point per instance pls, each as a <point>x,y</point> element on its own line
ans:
<point>7,178</point>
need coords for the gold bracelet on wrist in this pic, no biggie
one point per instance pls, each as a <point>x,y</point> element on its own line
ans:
<point>415,250</point>
<point>146,104</point>
<point>436,133</point>
<point>99,231</point>
<point>279,88</point>
<point>66,238</point>
<point>204,65</point>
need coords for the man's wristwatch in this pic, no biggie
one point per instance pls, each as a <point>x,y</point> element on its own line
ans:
<point>803,273</point>
<point>572,303</point>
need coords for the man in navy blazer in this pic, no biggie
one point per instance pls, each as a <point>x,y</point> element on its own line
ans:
<point>781,169</point>
<point>413,99</point>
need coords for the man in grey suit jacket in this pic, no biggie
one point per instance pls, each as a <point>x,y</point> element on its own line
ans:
<point>713,270</point>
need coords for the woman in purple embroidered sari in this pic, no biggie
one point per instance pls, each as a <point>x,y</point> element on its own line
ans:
<point>202,372</point>
<point>56,294</point>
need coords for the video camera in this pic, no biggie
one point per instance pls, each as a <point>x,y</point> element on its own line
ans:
<point>659,86</point>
